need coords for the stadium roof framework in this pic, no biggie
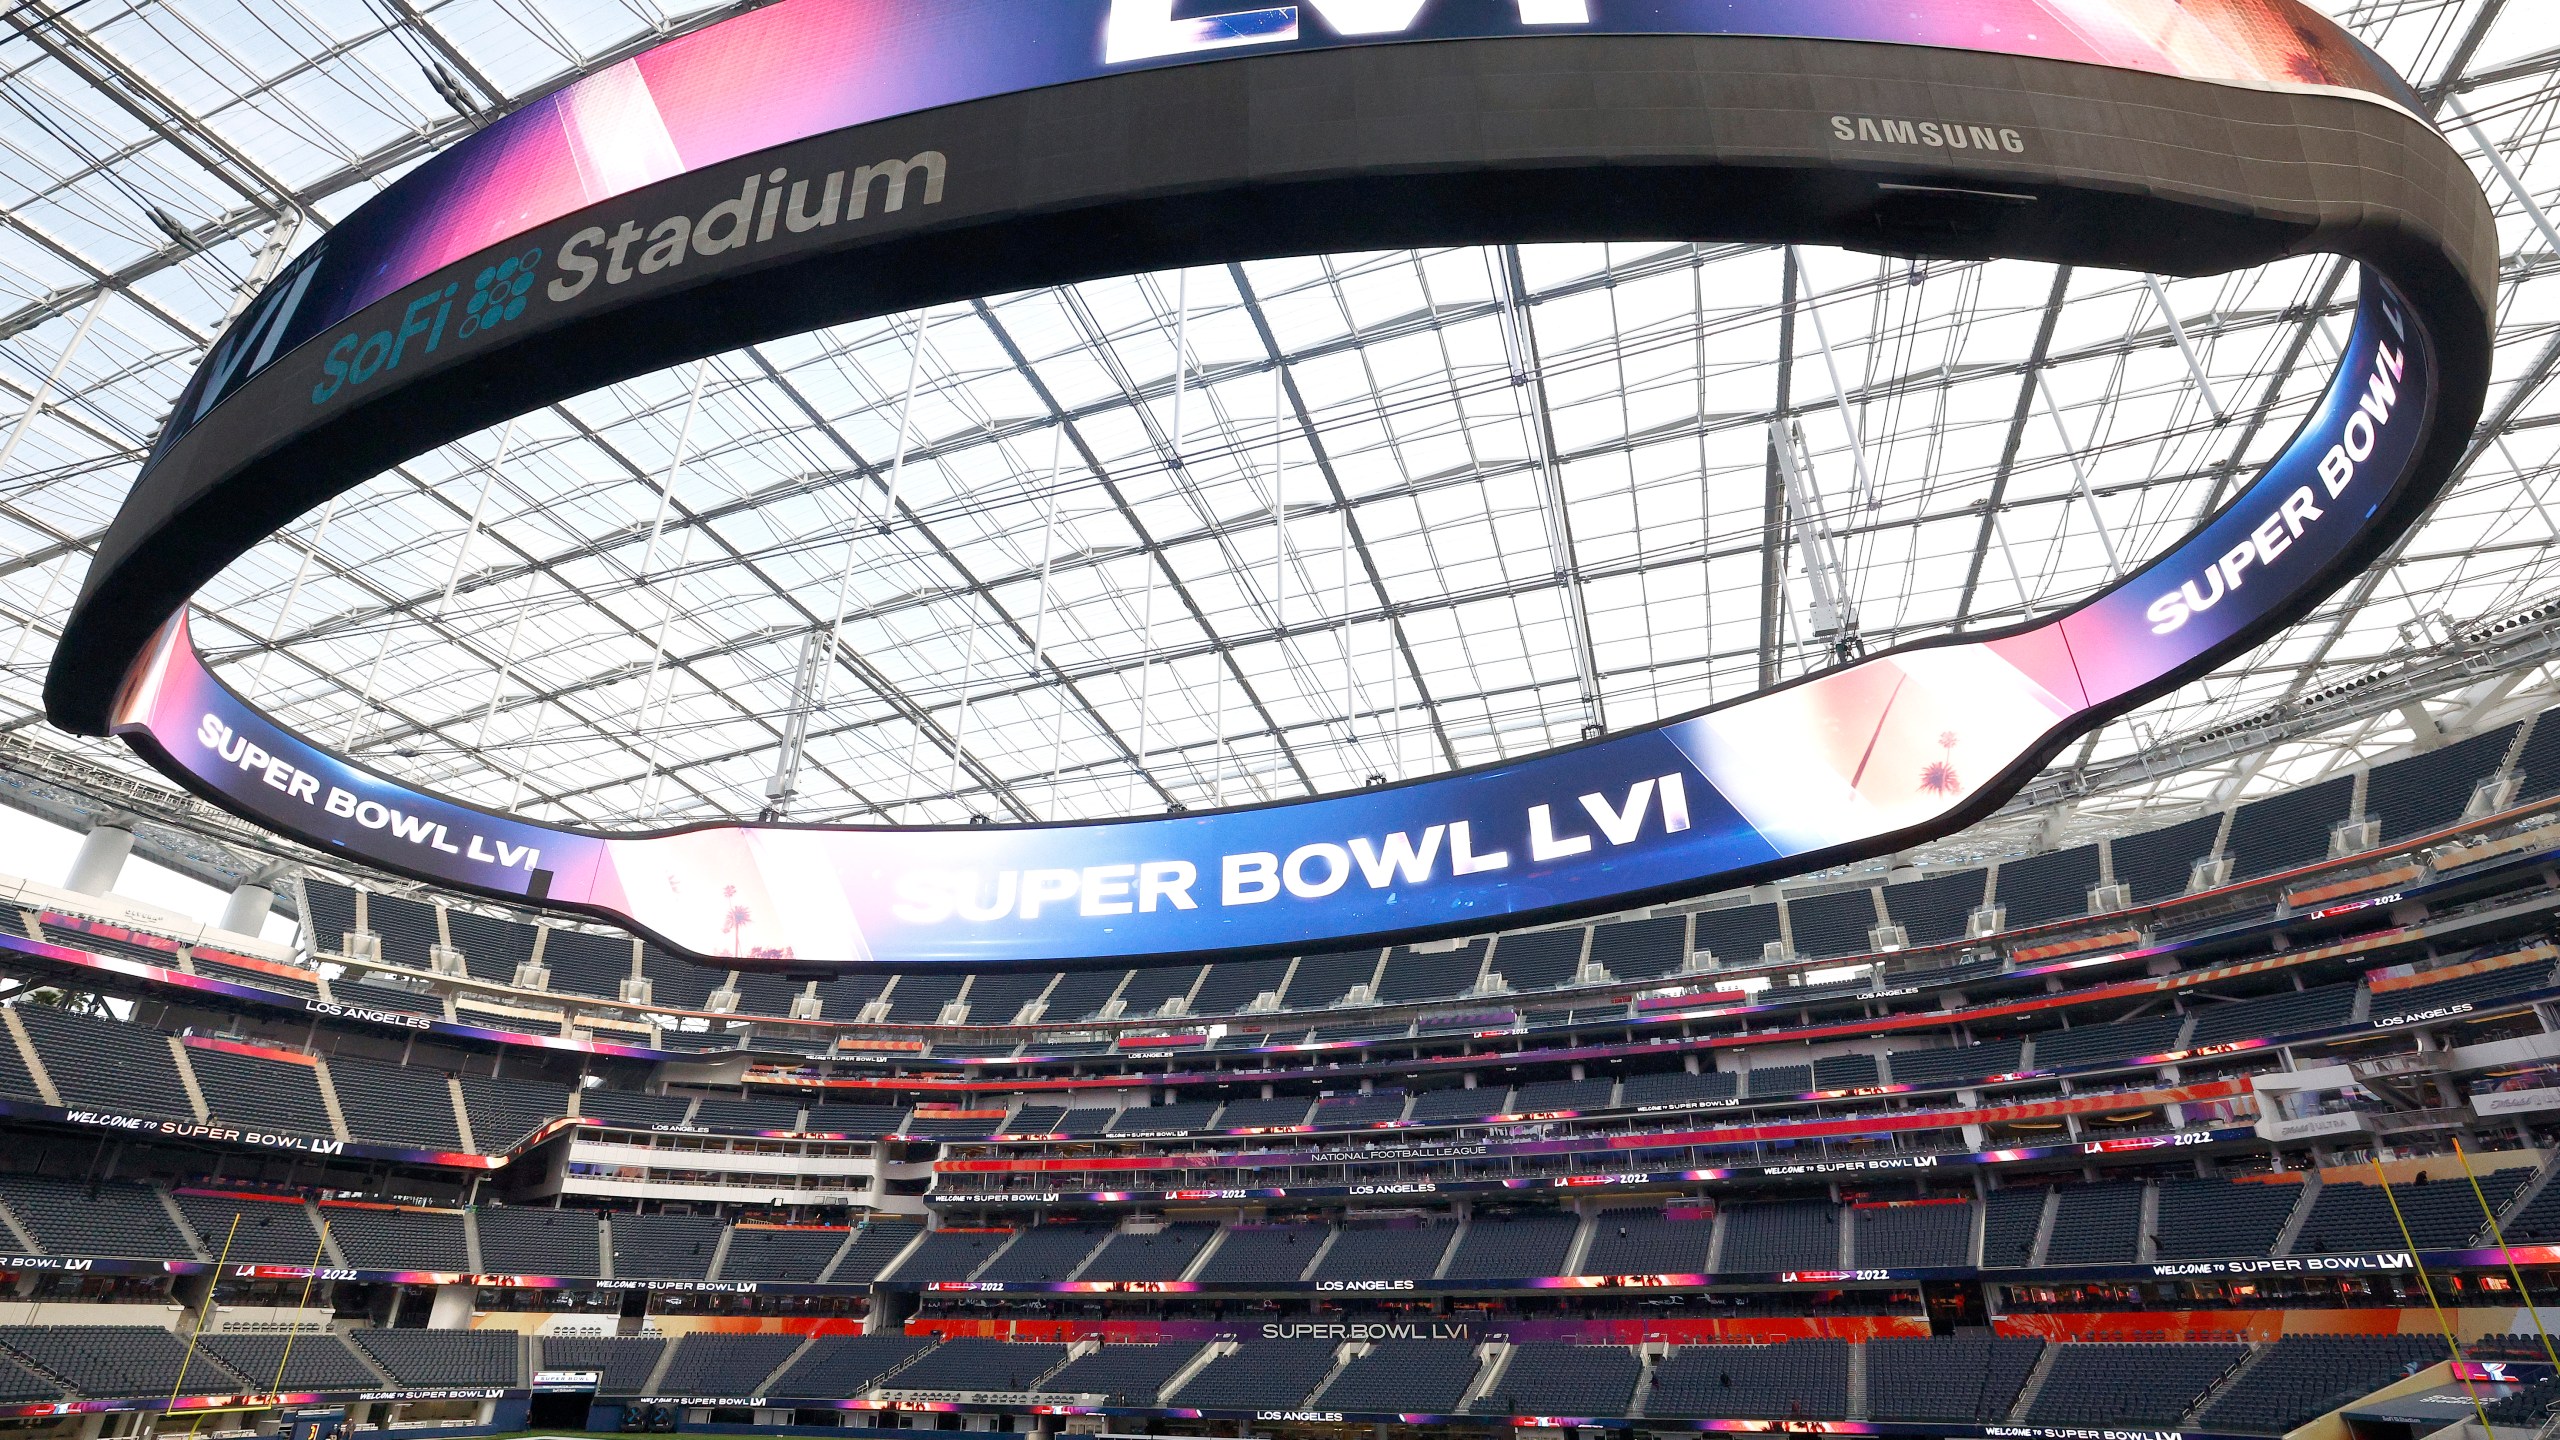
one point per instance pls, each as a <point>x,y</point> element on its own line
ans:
<point>1227,534</point>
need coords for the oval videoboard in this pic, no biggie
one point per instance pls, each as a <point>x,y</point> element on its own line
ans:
<point>818,161</point>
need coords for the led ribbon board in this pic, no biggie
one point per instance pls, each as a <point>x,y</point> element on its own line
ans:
<point>823,160</point>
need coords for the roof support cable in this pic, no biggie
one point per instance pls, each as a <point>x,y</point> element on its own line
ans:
<point>1181,357</point>
<point>1040,611</point>
<point>1154,559</point>
<point>654,727</point>
<point>2017,577</point>
<point>960,723</point>
<point>52,377</point>
<point>2506,174</point>
<point>2186,347</point>
<point>906,430</point>
<point>1833,618</point>
<point>806,680</point>
<point>1773,494</point>
<point>1342,602</point>
<point>359,721</point>
<point>1868,498</point>
<point>646,727</point>
<point>1146,682</point>
<point>2079,478</point>
<point>293,593</point>
<point>816,700</point>
<point>479,746</point>
<point>480,511</point>
<point>1527,374</point>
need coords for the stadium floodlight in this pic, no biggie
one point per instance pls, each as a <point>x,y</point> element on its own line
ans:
<point>814,162</point>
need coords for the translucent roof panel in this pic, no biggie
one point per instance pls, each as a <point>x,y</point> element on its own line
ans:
<point>1228,534</point>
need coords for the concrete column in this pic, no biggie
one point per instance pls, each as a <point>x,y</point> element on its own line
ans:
<point>245,913</point>
<point>100,861</point>
<point>452,1309</point>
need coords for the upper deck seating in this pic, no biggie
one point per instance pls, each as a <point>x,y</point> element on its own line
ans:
<point>1647,1241</point>
<point>118,1361</point>
<point>2213,1218</point>
<point>1262,1375</point>
<point>2441,1212</point>
<point>1162,1255</point>
<point>1149,989</point>
<point>1499,1247</point>
<point>1832,924</point>
<point>1539,959</point>
<point>96,1061</point>
<point>2302,1377</point>
<point>1400,1376</point>
<point>918,999</point>
<point>2155,864</point>
<point>2426,793</point>
<point>1913,1236</point>
<point>383,1238</point>
<point>1934,911</point>
<point>2125,1384</point>
<point>308,1362</point>
<point>840,1367</point>
<point>1801,1379</point>
<point>780,1254</point>
<point>1123,1374</point>
<point>1323,979</point>
<point>1384,1252</point>
<point>1642,949</point>
<point>1045,1252</point>
<point>1079,995</point>
<point>1231,985</point>
<point>269,1232</point>
<point>1787,1235</point>
<point>2098,1224</point>
<point>725,1365</point>
<point>446,1357</point>
<point>110,1219</point>
<point>2042,888</point>
<point>663,1247</point>
<point>1967,1379</point>
<point>1738,935</point>
<point>531,1240</point>
<point>971,1362</point>
<point>1430,974</point>
<point>623,1362</point>
<point>2289,829</point>
<point>1551,1379</point>
<point>1262,1252</point>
